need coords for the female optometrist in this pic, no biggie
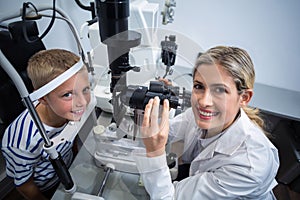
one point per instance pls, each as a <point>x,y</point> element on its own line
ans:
<point>230,156</point>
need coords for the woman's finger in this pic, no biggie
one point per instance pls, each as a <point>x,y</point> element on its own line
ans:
<point>155,112</point>
<point>165,81</point>
<point>164,124</point>
<point>166,111</point>
<point>147,114</point>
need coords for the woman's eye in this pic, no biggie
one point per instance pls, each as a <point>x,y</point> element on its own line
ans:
<point>219,90</point>
<point>198,86</point>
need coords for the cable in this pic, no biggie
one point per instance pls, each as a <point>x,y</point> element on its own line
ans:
<point>88,8</point>
<point>83,6</point>
<point>26,5</point>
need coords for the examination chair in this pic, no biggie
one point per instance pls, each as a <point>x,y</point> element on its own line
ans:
<point>18,51</point>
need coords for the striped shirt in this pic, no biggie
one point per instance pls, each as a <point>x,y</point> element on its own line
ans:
<point>22,147</point>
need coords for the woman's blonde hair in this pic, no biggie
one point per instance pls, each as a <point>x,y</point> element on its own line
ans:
<point>239,65</point>
<point>46,65</point>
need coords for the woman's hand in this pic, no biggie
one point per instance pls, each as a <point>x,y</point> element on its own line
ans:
<point>167,82</point>
<point>155,133</point>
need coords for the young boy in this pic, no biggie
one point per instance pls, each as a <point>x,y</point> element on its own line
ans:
<point>22,145</point>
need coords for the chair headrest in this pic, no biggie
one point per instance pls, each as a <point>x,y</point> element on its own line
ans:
<point>16,29</point>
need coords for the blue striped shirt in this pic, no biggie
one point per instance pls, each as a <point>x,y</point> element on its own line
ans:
<point>22,147</point>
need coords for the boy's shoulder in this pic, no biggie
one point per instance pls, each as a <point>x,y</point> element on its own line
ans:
<point>23,121</point>
<point>20,132</point>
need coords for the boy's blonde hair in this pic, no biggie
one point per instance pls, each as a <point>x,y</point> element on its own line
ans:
<point>46,65</point>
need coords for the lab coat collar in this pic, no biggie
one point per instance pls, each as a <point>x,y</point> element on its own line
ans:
<point>230,140</point>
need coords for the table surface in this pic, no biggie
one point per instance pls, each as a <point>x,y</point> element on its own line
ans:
<point>277,101</point>
<point>88,177</point>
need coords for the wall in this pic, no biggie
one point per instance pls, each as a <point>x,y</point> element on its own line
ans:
<point>268,29</point>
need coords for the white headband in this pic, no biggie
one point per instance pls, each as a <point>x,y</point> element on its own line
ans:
<point>56,82</point>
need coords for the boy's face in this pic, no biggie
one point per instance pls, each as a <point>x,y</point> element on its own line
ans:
<point>69,100</point>
<point>215,99</point>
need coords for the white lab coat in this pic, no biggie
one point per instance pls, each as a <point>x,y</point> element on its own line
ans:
<point>240,164</point>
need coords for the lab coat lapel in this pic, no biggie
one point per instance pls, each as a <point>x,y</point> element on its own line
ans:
<point>207,152</point>
<point>234,136</point>
<point>229,141</point>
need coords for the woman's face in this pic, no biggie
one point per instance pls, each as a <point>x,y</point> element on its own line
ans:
<point>215,99</point>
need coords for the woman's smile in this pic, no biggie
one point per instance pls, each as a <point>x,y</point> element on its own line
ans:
<point>207,114</point>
